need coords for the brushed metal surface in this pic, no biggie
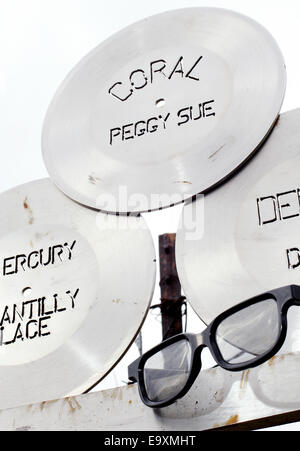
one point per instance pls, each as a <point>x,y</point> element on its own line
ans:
<point>260,398</point>
<point>251,239</point>
<point>75,288</point>
<point>163,110</point>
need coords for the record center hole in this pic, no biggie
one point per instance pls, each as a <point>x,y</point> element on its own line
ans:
<point>160,103</point>
<point>27,292</point>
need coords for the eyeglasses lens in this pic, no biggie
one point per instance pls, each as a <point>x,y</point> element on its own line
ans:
<point>249,333</point>
<point>167,372</point>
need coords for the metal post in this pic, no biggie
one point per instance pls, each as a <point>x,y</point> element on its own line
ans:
<point>171,297</point>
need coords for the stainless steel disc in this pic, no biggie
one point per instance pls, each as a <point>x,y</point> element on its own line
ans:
<point>249,242</point>
<point>165,109</point>
<point>75,288</point>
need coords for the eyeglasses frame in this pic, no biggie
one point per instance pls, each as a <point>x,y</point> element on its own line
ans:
<point>284,297</point>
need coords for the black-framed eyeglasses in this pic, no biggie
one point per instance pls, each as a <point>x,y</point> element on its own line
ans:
<point>243,337</point>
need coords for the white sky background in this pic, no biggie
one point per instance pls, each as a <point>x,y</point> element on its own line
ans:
<point>41,41</point>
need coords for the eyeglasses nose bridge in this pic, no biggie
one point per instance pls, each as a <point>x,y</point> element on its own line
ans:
<point>201,344</point>
<point>200,340</point>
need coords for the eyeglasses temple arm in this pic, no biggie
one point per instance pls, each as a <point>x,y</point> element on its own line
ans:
<point>133,370</point>
<point>296,293</point>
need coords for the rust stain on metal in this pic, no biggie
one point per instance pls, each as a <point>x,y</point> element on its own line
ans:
<point>278,359</point>
<point>45,404</point>
<point>244,383</point>
<point>73,404</point>
<point>185,182</point>
<point>131,387</point>
<point>117,394</point>
<point>244,380</point>
<point>232,420</point>
<point>272,361</point>
<point>30,212</point>
<point>171,292</point>
<point>217,151</point>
